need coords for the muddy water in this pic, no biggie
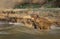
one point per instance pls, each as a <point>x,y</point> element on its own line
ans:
<point>22,32</point>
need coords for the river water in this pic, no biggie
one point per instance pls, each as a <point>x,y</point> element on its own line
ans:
<point>22,32</point>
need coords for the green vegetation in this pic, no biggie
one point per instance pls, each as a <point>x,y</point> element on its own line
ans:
<point>50,4</point>
<point>27,6</point>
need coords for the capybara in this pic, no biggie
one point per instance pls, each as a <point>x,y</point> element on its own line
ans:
<point>42,22</point>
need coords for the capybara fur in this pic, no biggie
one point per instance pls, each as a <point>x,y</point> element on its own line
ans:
<point>42,23</point>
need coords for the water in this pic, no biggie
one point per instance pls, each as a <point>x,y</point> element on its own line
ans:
<point>22,32</point>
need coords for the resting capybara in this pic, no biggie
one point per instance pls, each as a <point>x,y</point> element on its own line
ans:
<point>42,23</point>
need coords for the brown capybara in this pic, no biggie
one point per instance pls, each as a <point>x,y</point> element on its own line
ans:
<point>42,22</point>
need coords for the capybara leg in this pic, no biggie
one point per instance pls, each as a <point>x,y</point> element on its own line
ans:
<point>35,27</point>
